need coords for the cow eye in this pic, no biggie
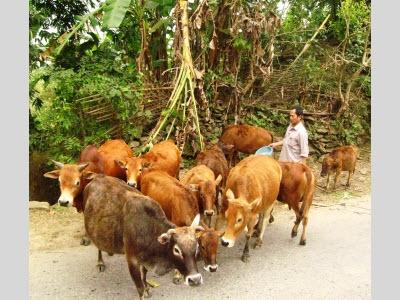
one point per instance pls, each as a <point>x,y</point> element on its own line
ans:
<point>177,251</point>
<point>239,220</point>
<point>77,183</point>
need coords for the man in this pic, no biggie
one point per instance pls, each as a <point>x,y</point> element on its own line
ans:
<point>295,142</point>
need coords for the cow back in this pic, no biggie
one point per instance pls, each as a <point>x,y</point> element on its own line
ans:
<point>164,156</point>
<point>246,138</point>
<point>177,201</point>
<point>253,177</point>
<point>111,151</point>
<point>214,159</point>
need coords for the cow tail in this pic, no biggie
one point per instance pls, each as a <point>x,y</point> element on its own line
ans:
<point>308,193</point>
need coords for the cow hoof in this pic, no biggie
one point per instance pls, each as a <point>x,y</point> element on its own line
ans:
<point>294,233</point>
<point>147,293</point>
<point>271,219</point>
<point>258,243</point>
<point>85,241</point>
<point>303,242</point>
<point>101,267</point>
<point>245,258</point>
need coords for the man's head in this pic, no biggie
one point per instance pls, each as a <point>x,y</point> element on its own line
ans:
<point>296,115</point>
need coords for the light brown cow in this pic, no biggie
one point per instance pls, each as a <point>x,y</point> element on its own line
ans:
<point>203,179</point>
<point>208,247</point>
<point>163,156</point>
<point>341,159</point>
<point>250,193</point>
<point>178,201</point>
<point>244,138</point>
<point>297,185</point>
<point>214,158</point>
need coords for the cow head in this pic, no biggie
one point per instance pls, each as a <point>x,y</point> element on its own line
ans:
<point>328,165</point>
<point>237,216</point>
<point>208,245</point>
<point>133,167</point>
<point>207,194</point>
<point>182,247</point>
<point>70,177</point>
<point>227,149</point>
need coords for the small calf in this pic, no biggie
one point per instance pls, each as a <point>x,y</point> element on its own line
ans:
<point>341,159</point>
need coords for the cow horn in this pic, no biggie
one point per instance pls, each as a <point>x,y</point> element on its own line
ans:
<point>196,221</point>
<point>82,166</point>
<point>58,164</point>
<point>171,231</point>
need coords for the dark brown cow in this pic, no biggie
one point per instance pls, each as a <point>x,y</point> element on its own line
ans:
<point>244,138</point>
<point>214,158</point>
<point>203,179</point>
<point>250,193</point>
<point>341,159</point>
<point>163,156</point>
<point>119,219</point>
<point>297,185</point>
<point>177,200</point>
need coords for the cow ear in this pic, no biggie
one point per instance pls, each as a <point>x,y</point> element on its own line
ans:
<point>198,231</point>
<point>229,195</point>
<point>121,163</point>
<point>53,174</point>
<point>218,180</point>
<point>88,175</point>
<point>164,238</point>
<point>255,203</point>
<point>196,221</point>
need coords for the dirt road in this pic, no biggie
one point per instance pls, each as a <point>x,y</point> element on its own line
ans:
<point>335,264</point>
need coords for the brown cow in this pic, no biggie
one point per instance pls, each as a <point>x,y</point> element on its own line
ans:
<point>214,158</point>
<point>297,185</point>
<point>104,159</point>
<point>119,219</point>
<point>203,179</point>
<point>180,206</point>
<point>341,159</point>
<point>244,138</point>
<point>178,201</point>
<point>208,245</point>
<point>163,156</point>
<point>250,193</point>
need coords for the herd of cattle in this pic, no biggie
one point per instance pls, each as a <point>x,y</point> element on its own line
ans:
<point>138,206</point>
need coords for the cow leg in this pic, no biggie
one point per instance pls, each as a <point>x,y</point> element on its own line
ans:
<point>136,274</point>
<point>271,217</point>
<point>143,272</point>
<point>100,263</point>
<point>327,182</point>
<point>298,220</point>
<point>250,228</point>
<point>263,221</point>
<point>335,180</point>
<point>348,178</point>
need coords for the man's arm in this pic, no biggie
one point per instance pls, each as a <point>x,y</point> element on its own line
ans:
<point>276,144</point>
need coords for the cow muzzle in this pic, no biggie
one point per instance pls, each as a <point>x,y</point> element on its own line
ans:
<point>211,268</point>
<point>227,243</point>
<point>132,184</point>
<point>65,200</point>
<point>209,212</point>
<point>194,280</point>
